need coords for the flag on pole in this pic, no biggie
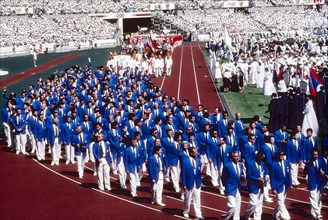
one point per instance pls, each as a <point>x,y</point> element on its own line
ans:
<point>315,81</point>
<point>227,37</point>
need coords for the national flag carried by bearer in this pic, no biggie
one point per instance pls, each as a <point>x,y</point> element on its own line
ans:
<point>315,81</point>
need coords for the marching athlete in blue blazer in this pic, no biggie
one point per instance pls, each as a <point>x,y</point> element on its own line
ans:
<point>103,159</point>
<point>281,182</point>
<point>231,177</point>
<point>156,169</point>
<point>80,142</point>
<point>132,161</point>
<point>317,171</point>
<point>256,172</point>
<point>191,181</point>
<point>294,150</point>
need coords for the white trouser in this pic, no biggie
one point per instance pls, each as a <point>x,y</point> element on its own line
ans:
<point>193,194</point>
<point>168,71</point>
<point>234,203</point>
<point>103,174</point>
<point>141,173</point>
<point>294,172</point>
<point>7,133</point>
<point>40,150</point>
<point>122,173</point>
<point>20,143</point>
<point>221,187</point>
<point>255,206</point>
<point>91,156</point>
<point>114,165</point>
<point>133,183</point>
<point>157,189</point>
<point>214,174</point>
<point>204,161</point>
<point>316,202</point>
<point>55,152</point>
<point>70,151</point>
<point>280,208</point>
<point>175,175</point>
<point>33,143</point>
<point>80,164</point>
<point>266,190</point>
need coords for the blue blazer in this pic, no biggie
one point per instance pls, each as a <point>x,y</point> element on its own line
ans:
<point>225,158</point>
<point>189,177</point>
<point>278,181</point>
<point>20,125</point>
<point>174,154</point>
<point>293,155</point>
<point>96,150</point>
<point>231,180</point>
<point>239,128</point>
<point>222,129</point>
<point>307,146</point>
<point>253,174</point>
<point>248,153</point>
<point>269,155</point>
<point>81,146</point>
<point>114,141</point>
<point>154,167</point>
<point>67,133</point>
<point>132,161</point>
<point>315,180</point>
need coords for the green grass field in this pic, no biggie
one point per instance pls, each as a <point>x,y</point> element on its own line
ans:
<point>251,102</point>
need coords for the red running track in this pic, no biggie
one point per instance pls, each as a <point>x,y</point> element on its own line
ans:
<point>33,190</point>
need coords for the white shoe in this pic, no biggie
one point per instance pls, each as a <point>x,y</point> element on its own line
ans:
<point>80,176</point>
<point>95,174</point>
<point>115,172</point>
<point>73,162</point>
<point>167,179</point>
<point>269,200</point>
<point>186,215</point>
<point>67,162</point>
<point>52,163</point>
<point>161,204</point>
<point>17,152</point>
<point>221,192</point>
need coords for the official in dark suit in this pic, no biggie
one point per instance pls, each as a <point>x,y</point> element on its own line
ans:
<point>191,182</point>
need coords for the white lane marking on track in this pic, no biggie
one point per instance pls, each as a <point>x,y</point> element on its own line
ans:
<point>216,89</point>
<point>108,194</point>
<point>180,73</point>
<point>226,197</point>
<point>206,207</point>
<point>195,75</point>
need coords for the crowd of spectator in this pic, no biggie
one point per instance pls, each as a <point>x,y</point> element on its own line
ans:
<point>16,31</point>
<point>253,22</point>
